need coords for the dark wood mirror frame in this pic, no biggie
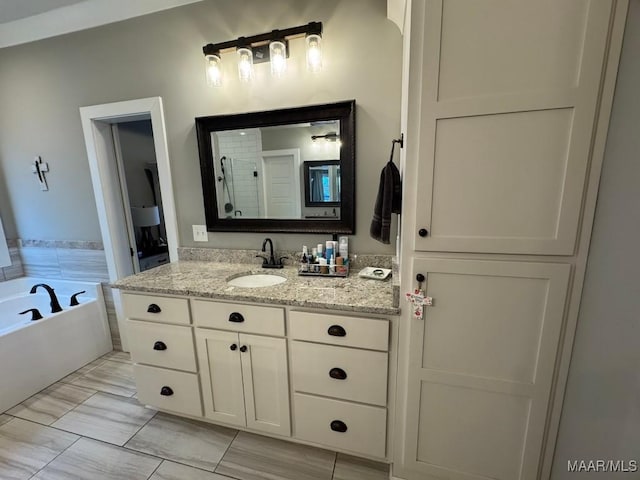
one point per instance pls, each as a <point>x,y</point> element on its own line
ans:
<point>343,111</point>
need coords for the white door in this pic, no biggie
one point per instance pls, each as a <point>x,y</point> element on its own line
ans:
<point>266,384</point>
<point>221,376</point>
<point>281,183</point>
<point>481,368</point>
<point>508,95</point>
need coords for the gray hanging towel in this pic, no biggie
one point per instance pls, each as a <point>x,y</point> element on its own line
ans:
<point>388,201</point>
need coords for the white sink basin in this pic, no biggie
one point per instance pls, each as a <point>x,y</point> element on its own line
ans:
<point>257,280</point>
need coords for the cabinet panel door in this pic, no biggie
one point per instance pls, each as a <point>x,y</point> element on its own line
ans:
<point>221,376</point>
<point>481,367</point>
<point>266,383</point>
<point>508,105</point>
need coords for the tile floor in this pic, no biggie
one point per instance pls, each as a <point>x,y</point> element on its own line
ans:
<point>89,426</point>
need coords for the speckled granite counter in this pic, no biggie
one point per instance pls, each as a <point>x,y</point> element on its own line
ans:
<point>209,280</point>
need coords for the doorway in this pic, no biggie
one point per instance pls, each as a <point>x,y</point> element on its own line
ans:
<point>281,183</point>
<point>102,152</point>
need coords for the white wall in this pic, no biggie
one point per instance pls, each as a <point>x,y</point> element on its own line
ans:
<point>601,412</point>
<point>43,84</point>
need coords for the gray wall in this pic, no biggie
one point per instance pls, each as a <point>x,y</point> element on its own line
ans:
<point>601,412</point>
<point>43,84</point>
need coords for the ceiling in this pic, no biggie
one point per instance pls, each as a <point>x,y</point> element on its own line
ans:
<point>23,21</point>
<point>11,10</point>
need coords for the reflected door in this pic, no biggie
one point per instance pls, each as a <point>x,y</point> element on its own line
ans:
<point>281,183</point>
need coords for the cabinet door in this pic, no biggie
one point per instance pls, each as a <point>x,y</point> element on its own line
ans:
<point>266,383</point>
<point>481,368</point>
<point>508,93</point>
<point>221,376</point>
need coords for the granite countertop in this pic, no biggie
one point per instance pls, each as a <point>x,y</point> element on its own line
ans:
<point>208,279</point>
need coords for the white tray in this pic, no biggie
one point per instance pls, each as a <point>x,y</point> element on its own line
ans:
<point>375,273</point>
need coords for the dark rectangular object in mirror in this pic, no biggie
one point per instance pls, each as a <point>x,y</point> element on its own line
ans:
<point>252,172</point>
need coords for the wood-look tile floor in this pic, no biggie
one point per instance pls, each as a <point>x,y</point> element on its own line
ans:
<point>90,426</point>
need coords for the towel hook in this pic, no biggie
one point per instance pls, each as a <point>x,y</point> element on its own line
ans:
<point>399,141</point>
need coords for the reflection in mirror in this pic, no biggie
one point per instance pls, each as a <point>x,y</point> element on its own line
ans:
<point>289,170</point>
<point>258,171</point>
<point>322,183</point>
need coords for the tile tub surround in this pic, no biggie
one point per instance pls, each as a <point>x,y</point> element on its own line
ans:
<point>209,280</point>
<point>162,448</point>
<point>15,270</point>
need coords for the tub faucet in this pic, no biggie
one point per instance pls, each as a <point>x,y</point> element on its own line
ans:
<point>55,305</point>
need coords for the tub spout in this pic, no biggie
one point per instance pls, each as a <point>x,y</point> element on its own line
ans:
<point>35,314</point>
<point>55,305</point>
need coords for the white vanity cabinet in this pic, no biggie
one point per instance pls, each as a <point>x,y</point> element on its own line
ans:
<point>244,376</point>
<point>163,352</point>
<point>339,379</point>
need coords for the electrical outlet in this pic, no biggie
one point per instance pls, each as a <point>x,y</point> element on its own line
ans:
<point>200,233</point>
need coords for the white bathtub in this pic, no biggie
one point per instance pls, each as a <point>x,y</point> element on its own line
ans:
<point>35,354</point>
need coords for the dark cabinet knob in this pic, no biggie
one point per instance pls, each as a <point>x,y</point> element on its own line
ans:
<point>236,317</point>
<point>153,308</point>
<point>338,374</point>
<point>166,391</point>
<point>243,348</point>
<point>336,331</point>
<point>420,278</point>
<point>423,232</point>
<point>338,426</point>
<point>233,347</point>
<point>159,346</point>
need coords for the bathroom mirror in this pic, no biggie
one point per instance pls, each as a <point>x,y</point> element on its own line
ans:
<point>288,170</point>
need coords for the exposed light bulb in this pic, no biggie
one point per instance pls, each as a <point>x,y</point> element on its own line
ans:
<point>213,70</point>
<point>245,64</point>
<point>314,53</point>
<point>278,58</point>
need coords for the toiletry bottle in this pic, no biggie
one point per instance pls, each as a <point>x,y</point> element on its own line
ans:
<point>329,250</point>
<point>304,260</point>
<point>332,265</point>
<point>343,246</point>
<point>320,248</point>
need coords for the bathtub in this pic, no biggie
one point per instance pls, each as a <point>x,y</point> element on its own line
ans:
<point>35,354</point>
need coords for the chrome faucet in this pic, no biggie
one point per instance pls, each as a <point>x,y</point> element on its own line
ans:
<point>271,261</point>
<point>55,305</point>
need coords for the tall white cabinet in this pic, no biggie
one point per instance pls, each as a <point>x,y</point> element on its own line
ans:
<point>506,106</point>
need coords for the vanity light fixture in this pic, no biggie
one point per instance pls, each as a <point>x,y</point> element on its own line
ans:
<point>270,47</point>
<point>329,137</point>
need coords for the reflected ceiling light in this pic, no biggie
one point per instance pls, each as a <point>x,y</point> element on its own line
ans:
<point>270,47</point>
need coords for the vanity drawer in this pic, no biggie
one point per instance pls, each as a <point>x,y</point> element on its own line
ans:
<point>339,330</point>
<point>346,373</point>
<point>169,346</point>
<point>239,318</point>
<point>341,425</point>
<point>168,390</point>
<point>156,309</point>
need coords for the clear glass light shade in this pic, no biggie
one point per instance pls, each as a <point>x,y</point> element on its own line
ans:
<point>314,53</point>
<point>278,58</point>
<point>213,68</point>
<point>245,64</point>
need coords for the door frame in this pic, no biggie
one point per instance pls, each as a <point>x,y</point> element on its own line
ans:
<point>98,137</point>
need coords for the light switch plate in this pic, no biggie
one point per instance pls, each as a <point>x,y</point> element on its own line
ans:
<point>200,233</point>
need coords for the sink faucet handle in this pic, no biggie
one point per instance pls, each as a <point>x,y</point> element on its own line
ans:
<point>282,258</point>
<point>265,260</point>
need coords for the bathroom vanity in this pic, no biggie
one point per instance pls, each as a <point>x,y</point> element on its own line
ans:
<point>309,359</point>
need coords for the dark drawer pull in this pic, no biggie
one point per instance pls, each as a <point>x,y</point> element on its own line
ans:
<point>233,347</point>
<point>243,348</point>
<point>159,346</point>
<point>338,374</point>
<point>338,426</point>
<point>236,317</point>
<point>336,331</point>
<point>153,308</point>
<point>166,391</point>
